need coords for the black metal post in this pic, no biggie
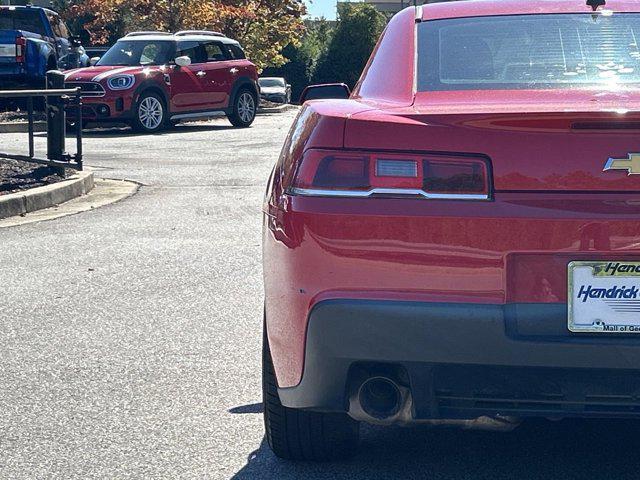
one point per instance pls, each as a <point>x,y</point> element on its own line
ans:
<point>79,131</point>
<point>56,122</point>
<point>30,115</point>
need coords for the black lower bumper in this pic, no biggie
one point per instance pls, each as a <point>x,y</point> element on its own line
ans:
<point>465,361</point>
<point>94,112</point>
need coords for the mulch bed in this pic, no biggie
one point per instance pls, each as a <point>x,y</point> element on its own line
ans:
<point>20,117</point>
<point>18,176</point>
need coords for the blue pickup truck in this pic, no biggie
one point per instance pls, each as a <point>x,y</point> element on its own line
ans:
<point>34,40</point>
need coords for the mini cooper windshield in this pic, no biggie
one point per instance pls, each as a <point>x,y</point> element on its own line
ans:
<point>131,53</point>
<point>529,52</point>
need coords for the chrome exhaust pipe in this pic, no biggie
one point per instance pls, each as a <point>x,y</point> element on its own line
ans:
<point>380,400</point>
<point>380,397</point>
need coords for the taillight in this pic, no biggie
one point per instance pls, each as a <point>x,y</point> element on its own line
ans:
<point>21,49</point>
<point>358,174</point>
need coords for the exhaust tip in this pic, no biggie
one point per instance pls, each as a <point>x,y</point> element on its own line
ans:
<point>380,397</point>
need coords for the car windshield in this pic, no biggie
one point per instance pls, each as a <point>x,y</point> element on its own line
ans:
<point>22,19</point>
<point>271,82</point>
<point>529,52</point>
<point>131,53</point>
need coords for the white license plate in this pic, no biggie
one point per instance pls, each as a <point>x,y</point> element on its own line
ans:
<point>604,297</point>
<point>7,50</point>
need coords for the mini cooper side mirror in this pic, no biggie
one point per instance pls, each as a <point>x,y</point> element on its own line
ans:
<point>183,61</point>
<point>94,60</point>
<point>325,91</point>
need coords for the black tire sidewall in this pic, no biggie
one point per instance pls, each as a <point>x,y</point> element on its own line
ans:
<point>302,435</point>
<point>236,120</point>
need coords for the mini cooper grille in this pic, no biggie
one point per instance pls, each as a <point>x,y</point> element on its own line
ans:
<point>87,89</point>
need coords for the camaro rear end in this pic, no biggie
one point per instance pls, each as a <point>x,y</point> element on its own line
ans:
<point>460,239</point>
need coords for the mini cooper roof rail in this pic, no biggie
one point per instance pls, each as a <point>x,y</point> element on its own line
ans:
<point>183,33</point>
<point>144,33</point>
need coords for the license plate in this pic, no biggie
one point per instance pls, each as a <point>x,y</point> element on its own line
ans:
<point>7,50</point>
<point>604,297</point>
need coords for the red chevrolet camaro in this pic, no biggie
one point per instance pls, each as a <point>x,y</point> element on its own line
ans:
<point>460,239</point>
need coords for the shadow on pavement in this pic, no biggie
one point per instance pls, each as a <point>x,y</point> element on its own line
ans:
<point>128,132</point>
<point>123,131</point>
<point>571,449</point>
<point>251,408</point>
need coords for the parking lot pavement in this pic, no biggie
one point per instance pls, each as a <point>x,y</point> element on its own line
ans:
<point>130,337</point>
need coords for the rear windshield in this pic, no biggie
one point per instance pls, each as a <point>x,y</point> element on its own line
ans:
<point>131,53</point>
<point>22,19</point>
<point>529,52</point>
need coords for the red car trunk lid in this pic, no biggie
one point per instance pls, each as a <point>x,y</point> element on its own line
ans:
<point>536,140</point>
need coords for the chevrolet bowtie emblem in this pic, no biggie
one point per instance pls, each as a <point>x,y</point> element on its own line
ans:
<point>631,164</point>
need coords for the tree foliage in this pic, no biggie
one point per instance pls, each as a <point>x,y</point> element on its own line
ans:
<point>303,59</point>
<point>356,34</point>
<point>264,27</point>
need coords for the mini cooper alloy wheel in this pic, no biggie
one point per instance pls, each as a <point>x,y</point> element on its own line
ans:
<point>246,107</point>
<point>150,113</point>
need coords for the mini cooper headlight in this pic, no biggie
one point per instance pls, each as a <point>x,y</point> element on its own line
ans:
<point>121,82</point>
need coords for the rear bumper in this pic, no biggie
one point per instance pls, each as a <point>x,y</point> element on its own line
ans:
<point>512,250</point>
<point>467,360</point>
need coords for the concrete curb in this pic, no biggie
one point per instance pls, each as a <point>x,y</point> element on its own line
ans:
<point>22,127</point>
<point>38,198</point>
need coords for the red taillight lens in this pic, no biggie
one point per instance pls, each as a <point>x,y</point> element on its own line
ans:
<point>21,49</point>
<point>337,171</point>
<point>364,174</point>
<point>456,176</point>
<point>340,172</point>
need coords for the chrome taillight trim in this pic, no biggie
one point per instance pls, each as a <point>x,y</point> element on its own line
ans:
<point>312,192</point>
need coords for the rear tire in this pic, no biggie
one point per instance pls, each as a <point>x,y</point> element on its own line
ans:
<point>245,106</point>
<point>299,434</point>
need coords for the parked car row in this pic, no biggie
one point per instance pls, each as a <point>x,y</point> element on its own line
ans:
<point>149,80</point>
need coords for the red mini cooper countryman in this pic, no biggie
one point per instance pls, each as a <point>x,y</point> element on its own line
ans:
<point>152,79</point>
<point>460,239</point>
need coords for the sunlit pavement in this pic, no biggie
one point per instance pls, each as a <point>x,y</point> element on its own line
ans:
<point>130,337</point>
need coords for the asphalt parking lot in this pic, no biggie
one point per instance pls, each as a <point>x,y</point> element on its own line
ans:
<point>130,337</point>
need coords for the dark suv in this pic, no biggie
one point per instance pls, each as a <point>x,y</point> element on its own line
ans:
<point>152,79</point>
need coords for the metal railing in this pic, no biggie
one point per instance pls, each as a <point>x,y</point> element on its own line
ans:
<point>57,100</point>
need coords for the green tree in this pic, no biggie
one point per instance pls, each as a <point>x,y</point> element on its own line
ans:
<point>356,34</point>
<point>302,60</point>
